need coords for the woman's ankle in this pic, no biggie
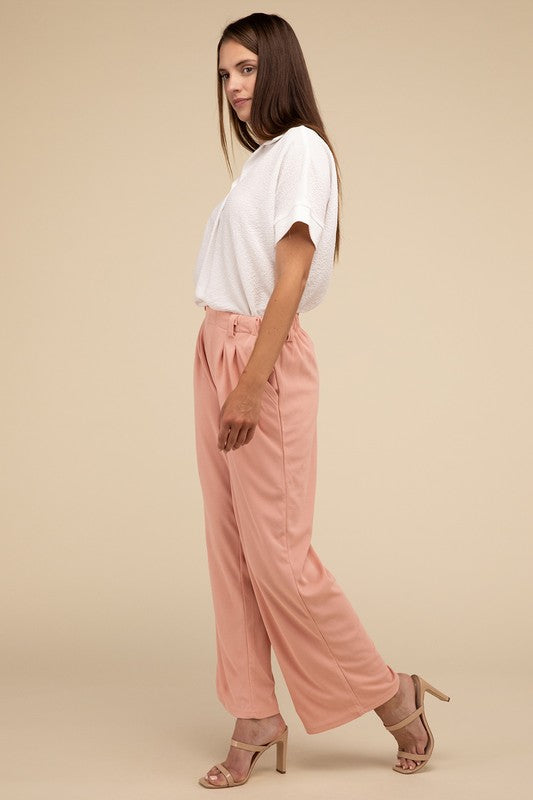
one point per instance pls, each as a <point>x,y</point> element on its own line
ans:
<point>259,719</point>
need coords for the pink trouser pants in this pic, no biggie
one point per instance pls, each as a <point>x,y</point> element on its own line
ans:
<point>269,587</point>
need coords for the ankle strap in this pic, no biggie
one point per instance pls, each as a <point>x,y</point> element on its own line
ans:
<point>405,721</point>
<point>246,746</point>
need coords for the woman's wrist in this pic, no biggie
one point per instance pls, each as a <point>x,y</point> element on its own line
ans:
<point>252,381</point>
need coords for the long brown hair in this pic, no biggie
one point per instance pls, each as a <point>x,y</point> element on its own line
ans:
<point>283,96</point>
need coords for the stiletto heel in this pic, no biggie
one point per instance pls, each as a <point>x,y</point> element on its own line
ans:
<point>421,686</point>
<point>258,750</point>
<point>281,753</point>
<point>431,689</point>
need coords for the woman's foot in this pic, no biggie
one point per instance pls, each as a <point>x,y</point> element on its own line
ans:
<point>413,737</point>
<point>253,731</point>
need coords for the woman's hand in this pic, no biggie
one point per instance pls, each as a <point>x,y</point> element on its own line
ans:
<point>239,416</point>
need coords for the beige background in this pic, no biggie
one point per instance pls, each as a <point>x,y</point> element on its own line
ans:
<point>111,166</point>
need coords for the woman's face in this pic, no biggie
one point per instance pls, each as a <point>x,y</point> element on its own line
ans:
<point>237,67</point>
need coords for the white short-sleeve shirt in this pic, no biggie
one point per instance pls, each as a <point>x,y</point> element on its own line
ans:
<point>288,178</point>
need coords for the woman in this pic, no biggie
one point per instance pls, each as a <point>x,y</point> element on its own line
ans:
<point>266,256</point>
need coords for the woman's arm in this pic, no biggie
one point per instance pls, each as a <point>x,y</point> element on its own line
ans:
<point>240,413</point>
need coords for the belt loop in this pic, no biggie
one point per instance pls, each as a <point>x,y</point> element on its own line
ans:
<point>232,322</point>
<point>294,324</point>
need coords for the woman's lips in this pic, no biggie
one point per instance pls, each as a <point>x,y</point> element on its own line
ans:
<point>240,102</point>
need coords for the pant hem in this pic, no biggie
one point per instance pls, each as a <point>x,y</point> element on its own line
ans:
<point>354,714</point>
<point>252,714</point>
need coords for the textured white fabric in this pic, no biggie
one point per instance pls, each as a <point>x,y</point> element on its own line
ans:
<point>288,178</point>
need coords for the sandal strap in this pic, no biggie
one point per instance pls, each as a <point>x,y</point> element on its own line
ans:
<point>226,773</point>
<point>405,721</point>
<point>246,746</point>
<point>412,756</point>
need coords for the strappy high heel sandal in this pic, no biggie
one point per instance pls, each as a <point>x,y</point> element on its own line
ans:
<point>258,749</point>
<point>421,686</point>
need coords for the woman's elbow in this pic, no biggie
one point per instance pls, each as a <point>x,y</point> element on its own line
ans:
<point>295,251</point>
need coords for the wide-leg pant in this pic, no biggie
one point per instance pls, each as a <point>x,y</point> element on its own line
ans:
<point>269,587</point>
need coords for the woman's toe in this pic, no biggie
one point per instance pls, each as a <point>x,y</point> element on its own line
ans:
<point>215,776</point>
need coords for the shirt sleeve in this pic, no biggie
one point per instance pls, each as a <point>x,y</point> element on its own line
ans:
<point>304,184</point>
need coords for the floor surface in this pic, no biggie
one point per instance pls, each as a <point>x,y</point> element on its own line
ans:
<point>145,742</point>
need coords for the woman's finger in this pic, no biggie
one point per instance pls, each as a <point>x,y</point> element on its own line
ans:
<point>241,438</point>
<point>228,435</point>
<point>250,434</point>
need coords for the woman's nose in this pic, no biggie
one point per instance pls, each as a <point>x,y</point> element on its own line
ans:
<point>233,85</point>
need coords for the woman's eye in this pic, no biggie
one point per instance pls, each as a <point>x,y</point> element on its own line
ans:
<point>225,74</point>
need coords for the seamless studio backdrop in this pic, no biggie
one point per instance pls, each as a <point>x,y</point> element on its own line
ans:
<point>110,166</point>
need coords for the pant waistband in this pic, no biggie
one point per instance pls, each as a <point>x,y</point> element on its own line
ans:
<point>233,322</point>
